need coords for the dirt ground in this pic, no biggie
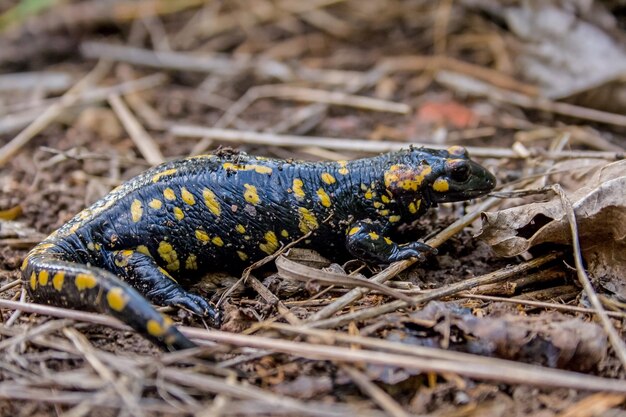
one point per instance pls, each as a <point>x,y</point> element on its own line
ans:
<point>100,91</point>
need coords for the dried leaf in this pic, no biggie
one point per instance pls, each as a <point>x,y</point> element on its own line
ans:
<point>599,202</point>
<point>553,339</point>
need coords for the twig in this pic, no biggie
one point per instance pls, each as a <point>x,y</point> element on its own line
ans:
<point>360,145</point>
<point>312,95</point>
<point>73,97</point>
<point>377,394</point>
<point>513,373</point>
<point>473,86</point>
<point>209,63</point>
<point>270,298</point>
<point>146,145</point>
<point>490,278</point>
<point>237,390</point>
<point>101,369</point>
<point>10,285</point>
<point>593,405</point>
<point>48,80</point>
<point>615,339</point>
<point>542,304</point>
<point>292,270</point>
<point>51,113</point>
<point>510,372</point>
<point>397,267</point>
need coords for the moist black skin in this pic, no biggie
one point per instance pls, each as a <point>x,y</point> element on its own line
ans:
<point>184,218</point>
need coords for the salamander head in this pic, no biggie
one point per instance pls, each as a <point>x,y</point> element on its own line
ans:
<point>439,176</point>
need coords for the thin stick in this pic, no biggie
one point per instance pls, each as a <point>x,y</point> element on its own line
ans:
<point>512,373</point>
<point>377,394</point>
<point>51,113</point>
<point>85,348</point>
<point>146,145</point>
<point>469,85</point>
<point>238,390</point>
<point>541,304</point>
<point>397,267</point>
<point>70,98</point>
<point>616,341</point>
<point>10,285</point>
<point>497,276</point>
<point>361,145</point>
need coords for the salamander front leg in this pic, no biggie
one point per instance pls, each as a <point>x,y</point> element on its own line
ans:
<point>366,241</point>
<point>157,285</point>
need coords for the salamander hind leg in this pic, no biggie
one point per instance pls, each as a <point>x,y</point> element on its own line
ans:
<point>67,284</point>
<point>157,285</point>
<point>366,240</point>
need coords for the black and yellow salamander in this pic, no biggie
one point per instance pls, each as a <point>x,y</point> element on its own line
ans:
<point>224,211</point>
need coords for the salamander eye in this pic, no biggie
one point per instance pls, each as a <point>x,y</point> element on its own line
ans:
<point>459,171</point>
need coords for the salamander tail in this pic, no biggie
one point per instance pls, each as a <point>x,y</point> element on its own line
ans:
<point>51,280</point>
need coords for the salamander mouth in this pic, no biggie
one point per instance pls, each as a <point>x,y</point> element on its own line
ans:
<point>480,184</point>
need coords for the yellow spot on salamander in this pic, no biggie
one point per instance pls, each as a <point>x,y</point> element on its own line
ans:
<point>353,231</point>
<point>385,199</point>
<point>259,169</point>
<point>251,194</point>
<point>271,243</point>
<point>383,212</point>
<point>211,202</point>
<point>117,298</point>
<point>297,189</point>
<point>328,178</point>
<point>155,204</point>
<point>308,222</point>
<point>388,241</point>
<point>85,281</point>
<point>240,228</point>
<point>441,185</point>
<point>405,177</point>
<point>324,197</point>
<point>394,218</point>
<point>187,196</point>
<point>369,194</point>
<point>377,204</point>
<point>121,260</point>
<point>167,274</point>
<point>414,206</point>
<point>136,210</point>
<point>456,150</point>
<point>43,277</point>
<point>24,264</point>
<point>217,241</point>
<point>158,176</point>
<point>143,249</point>
<point>192,262</point>
<point>343,170</point>
<point>154,328</point>
<point>202,235</point>
<point>169,255</point>
<point>373,235</point>
<point>169,194</point>
<point>178,213</point>
<point>74,228</point>
<point>33,281</point>
<point>242,255</point>
<point>284,233</point>
<point>57,280</point>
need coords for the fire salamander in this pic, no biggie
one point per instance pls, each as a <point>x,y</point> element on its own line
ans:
<point>224,211</point>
